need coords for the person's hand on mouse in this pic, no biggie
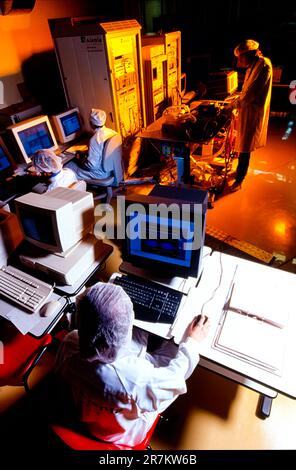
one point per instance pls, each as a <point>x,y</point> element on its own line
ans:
<point>199,328</point>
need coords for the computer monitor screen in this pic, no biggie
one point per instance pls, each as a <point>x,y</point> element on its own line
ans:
<point>67,125</point>
<point>159,243</point>
<point>173,149</point>
<point>32,135</point>
<point>38,226</point>
<point>57,220</point>
<point>6,164</point>
<point>165,235</point>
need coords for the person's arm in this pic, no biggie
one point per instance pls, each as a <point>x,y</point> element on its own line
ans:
<point>256,88</point>
<point>162,385</point>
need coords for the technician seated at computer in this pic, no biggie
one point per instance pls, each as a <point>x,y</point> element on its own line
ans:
<point>91,166</point>
<point>118,387</point>
<point>47,162</point>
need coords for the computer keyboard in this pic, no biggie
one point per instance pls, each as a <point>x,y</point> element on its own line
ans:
<point>23,289</point>
<point>66,157</point>
<point>152,302</point>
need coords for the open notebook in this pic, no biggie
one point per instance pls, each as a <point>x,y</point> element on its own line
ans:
<point>253,325</point>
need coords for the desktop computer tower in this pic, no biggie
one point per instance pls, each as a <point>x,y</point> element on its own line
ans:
<point>172,48</point>
<point>101,67</point>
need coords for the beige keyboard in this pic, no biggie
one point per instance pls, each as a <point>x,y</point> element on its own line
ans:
<point>23,289</point>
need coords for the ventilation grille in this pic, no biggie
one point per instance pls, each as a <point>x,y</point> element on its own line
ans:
<point>119,25</point>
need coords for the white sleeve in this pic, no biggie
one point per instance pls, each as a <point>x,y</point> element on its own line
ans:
<point>157,387</point>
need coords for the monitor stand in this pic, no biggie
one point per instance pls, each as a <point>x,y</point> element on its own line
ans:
<point>180,284</point>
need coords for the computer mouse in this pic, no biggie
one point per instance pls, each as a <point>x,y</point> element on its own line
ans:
<point>48,309</point>
<point>198,317</point>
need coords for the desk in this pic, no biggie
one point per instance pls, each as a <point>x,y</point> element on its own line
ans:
<point>23,182</point>
<point>210,159</point>
<point>286,382</point>
<point>260,380</point>
<point>36,325</point>
<point>61,293</point>
<point>155,132</point>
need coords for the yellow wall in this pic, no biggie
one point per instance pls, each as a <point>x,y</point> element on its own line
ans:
<point>24,35</point>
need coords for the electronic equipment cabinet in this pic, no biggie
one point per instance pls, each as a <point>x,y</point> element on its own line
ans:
<point>101,67</point>
<point>172,49</point>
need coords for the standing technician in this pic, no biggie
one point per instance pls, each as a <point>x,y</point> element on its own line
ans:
<point>253,105</point>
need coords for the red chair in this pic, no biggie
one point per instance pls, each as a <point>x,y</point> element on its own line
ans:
<point>20,355</point>
<point>78,440</point>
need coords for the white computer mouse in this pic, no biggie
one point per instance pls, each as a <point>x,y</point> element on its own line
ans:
<point>50,308</point>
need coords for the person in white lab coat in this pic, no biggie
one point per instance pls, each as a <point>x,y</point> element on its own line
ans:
<point>118,387</point>
<point>91,165</point>
<point>46,161</point>
<point>253,105</point>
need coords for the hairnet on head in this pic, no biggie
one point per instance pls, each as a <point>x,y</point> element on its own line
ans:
<point>47,161</point>
<point>104,317</point>
<point>97,117</point>
<point>246,46</point>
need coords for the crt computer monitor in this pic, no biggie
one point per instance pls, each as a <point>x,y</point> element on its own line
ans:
<point>31,135</point>
<point>6,163</point>
<point>67,125</point>
<point>165,253</point>
<point>57,220</point>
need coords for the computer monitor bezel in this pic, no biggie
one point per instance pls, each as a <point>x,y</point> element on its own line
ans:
<point>161,268</point>
<point>59,212</point>
<point>58,127</point>
<point>6,172</point>
<point>15,129</point>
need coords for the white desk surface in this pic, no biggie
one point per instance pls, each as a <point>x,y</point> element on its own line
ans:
<point>216,360</point>
<point>185,314</point>
<point>33,322</point>
<point>286,383</point>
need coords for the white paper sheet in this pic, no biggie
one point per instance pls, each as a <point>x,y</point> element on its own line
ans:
<point>23,321</point>
<point>262,294</point>
<point>252,340</point>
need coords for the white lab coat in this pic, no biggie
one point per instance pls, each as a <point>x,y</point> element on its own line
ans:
<point>63,179</point>
<point>120,401</point>
<point>254,105</point>
<point>92,166</point>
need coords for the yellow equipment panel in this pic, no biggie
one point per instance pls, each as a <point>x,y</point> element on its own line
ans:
<point>172,75</point>
<point>154,64</point>
<point>101,67</point>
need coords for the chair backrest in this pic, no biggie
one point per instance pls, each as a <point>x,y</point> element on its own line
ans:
<point>21,354</point>
<point>112,158</point>
<point>79,440</point>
